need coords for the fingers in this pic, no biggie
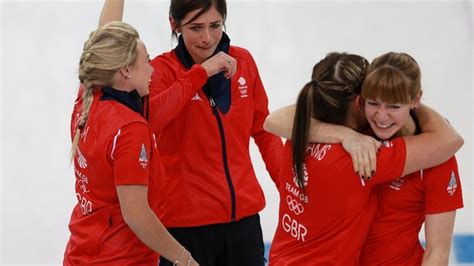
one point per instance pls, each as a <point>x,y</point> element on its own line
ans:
<point>230,67</point>
<point>355,161</point>
<point>366,166</point>
<point>220,62</point>
<point>373,155</point>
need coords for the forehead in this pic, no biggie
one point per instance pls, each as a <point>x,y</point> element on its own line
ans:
<point>141,48</point>
<point>209,16</point>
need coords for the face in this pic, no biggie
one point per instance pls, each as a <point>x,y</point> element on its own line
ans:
<point>202,35</point>
<point>141,70</point>
<point>386,119</point>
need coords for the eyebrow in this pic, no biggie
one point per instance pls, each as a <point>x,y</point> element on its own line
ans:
<point>199,24</point>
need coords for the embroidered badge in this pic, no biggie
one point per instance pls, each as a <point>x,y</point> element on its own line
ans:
<point>387,143</point>
<point>143,160</point>
<point>81,160</point>
<point>453,184</point>
<point>242,87</point>
<point>396,184</point>
<point>196,98</point>
<point>305,177</point>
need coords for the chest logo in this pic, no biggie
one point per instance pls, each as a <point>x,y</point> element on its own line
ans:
<point>143,159</point>
<point>453,184</point>
<point>242,87</point>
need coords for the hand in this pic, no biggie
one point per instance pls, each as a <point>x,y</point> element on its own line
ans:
<point>188,260</point>
<point>363,150</point>
<point>220,62</point>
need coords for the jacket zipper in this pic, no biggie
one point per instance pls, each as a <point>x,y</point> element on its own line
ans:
<point>224,156</point>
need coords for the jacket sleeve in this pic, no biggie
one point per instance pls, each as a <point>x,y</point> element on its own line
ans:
<point>171,92</point>
<point>269,145</point>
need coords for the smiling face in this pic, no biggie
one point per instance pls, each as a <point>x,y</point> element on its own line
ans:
<point>141,70</point>
<point>385,119</point>
<point>391,88</point>
<point>202,34</point>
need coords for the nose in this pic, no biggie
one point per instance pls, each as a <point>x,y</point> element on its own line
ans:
<point>151,68</point>
<point>205,36</point>
<point>381,113</point>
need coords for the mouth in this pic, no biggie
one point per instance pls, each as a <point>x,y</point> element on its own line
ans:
<point>205,48</point>
<point>384,125</point>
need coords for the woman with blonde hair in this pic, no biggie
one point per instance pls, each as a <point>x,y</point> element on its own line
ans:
<point>116,162</point>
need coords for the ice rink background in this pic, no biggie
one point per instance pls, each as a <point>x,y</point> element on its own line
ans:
<point>40,46</point>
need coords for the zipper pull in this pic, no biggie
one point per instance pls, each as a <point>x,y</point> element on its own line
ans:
<point>211,100</point>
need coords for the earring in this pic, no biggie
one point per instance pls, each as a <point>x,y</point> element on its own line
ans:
<point>128,77</point>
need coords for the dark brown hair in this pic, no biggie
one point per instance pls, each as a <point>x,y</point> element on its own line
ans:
<point>335,82</point>
<point>180,8</point>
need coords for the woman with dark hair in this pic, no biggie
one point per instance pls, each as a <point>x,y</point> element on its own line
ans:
<point>325,208</point>
<point>211,197</point>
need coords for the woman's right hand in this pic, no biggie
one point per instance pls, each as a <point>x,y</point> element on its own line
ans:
<point>220,62</point>
<point>187,261</point>
<point>363,151</point>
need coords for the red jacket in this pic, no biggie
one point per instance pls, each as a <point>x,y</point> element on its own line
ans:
<point>116,148</point>
<point>327,222</point>
<point>209,174</point>
<point>403,205</point>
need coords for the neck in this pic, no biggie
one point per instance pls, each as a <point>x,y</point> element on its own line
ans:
<point>408,129</point>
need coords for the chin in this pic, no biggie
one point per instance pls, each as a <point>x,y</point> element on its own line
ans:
<point>384,135</point>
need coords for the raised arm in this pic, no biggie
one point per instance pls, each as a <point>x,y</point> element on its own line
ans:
<point>111,11</point>
<point>438,142</point>
<point>362,148</point>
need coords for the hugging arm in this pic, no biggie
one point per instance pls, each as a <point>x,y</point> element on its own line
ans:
<point>438,142</point>
<point>362,148</point>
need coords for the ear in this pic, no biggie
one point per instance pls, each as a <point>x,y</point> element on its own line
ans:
<point>125,73</point>
<point>360,102</point>
<point>174,25</point>
<point>416,101</point>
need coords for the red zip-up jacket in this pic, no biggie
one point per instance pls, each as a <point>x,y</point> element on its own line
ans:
<point>209,174</point>
<point>116,148</point>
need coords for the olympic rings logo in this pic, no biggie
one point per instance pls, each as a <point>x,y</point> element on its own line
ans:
<point>294,205</point>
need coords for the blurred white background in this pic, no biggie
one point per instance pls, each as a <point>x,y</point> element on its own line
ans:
<point>41,42</point>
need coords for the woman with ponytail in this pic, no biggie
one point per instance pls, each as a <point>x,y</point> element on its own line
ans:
<point>326,208</point>
<point>116,162</point>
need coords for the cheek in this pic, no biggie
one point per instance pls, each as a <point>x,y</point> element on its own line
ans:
<point>369,111</point>
<point>402,116</point>
<point>217,34</point>
<point>188,38</point>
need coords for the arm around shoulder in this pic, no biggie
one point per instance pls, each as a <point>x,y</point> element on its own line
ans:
<point>438,142</point>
